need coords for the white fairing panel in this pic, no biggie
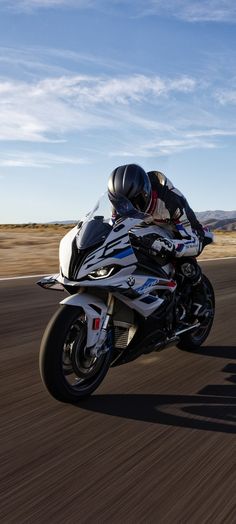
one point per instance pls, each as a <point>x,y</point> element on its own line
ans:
<point>65,249</point>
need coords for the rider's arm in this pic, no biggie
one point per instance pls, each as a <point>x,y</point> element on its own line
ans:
<point>189,242</point>
<point>189,231</point>
<point>186,241</point>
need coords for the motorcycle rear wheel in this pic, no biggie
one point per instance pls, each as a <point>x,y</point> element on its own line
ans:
<point>67,370</point>
<point>194,339</point>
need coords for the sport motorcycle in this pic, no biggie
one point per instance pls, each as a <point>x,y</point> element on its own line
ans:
<point>122,301</point>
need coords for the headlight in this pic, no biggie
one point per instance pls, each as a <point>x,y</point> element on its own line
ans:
<point>102,272</point>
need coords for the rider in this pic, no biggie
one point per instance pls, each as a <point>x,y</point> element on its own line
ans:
<point>154,193</point>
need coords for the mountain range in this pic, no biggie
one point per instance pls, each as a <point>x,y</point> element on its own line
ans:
<point>218,219</point>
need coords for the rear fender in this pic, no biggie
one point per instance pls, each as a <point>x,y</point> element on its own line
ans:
<point>94,308</point>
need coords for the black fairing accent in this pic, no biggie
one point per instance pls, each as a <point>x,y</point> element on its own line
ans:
<point>77,259</point>
<point>153,264</point>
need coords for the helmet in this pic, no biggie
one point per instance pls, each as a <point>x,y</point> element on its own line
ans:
<point>132,182</point>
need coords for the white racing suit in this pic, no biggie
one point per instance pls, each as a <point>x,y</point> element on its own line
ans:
<point>170,207</point>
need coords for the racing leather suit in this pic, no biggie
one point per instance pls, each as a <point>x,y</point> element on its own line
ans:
<point>169,206</point>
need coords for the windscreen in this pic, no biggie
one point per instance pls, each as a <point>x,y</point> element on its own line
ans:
<point>93,233</point>
<point>97,225</point>
<point>99,222</point>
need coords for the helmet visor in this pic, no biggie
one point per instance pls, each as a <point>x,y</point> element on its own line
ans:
<point>140,202</point>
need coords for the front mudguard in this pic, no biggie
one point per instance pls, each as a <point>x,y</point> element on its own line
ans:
<point>95,310</point>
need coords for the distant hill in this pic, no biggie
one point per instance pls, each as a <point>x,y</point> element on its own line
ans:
<point>215,220</point>
<point>221,220</point>
<point>64,222</point>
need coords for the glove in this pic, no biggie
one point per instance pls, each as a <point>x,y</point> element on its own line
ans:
<point>163,246</point>
<point>148,245</point>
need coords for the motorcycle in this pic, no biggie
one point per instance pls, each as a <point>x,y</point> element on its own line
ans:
<point>122,303</point>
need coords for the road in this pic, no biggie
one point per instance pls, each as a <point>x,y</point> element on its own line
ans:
<point>155,444</point>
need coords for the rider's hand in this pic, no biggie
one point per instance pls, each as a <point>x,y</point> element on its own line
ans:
<point>163,246</point>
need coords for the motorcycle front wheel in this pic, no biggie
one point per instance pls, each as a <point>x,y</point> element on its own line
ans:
<point>67,369</point>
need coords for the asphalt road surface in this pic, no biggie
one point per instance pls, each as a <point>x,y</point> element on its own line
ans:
<point>156,443</point>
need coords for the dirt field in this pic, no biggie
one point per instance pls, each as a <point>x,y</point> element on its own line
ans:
<point>26,250</point>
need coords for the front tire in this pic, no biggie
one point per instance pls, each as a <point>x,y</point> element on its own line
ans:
<point>67,370</point>
<point>194,339</point>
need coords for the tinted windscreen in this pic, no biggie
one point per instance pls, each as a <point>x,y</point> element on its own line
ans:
<point>93,232</point>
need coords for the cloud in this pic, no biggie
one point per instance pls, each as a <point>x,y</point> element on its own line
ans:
<point>187,10</point>
<point>38,160</point>
<point>212,133</point>
<point>47,110</point>
<point>127,114</point>
<point>87,90</point>
<point>35,113</point>
<point>38,61</point>
<point>167,147</point>
<point>193,10</point>
<point>34,61</point>
<point>226,96</point>
<point>31,5</point>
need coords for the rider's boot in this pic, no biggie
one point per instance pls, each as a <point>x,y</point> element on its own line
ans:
<point>192,272</point>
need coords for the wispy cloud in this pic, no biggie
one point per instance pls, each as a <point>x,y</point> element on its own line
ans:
<point>32,61</point>
<point>211,133</point>
<point>167,147</point>
<point>38,61</point>
<point>189,11</point>
<point>194,10</point>
<point>49,109</point>
<point>122,90</point>
<point>143,114</point>
<point>226,96</point>
<point>38,160</point>
<point>32,5</point>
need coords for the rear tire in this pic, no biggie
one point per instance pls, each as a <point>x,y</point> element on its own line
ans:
<point>68,372</point>
<point>194,339</point>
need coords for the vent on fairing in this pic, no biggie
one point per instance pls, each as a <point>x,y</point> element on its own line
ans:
<point>120,337</point>
<point>123,333</point>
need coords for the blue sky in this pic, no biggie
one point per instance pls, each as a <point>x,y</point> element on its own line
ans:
<point>86,85</point>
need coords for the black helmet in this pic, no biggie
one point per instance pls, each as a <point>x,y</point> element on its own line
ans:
<point>132,182</point>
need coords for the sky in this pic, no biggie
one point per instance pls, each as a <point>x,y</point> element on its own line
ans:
<point>87,85</point>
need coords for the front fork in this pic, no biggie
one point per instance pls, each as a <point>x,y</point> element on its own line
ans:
<point>103,343</point>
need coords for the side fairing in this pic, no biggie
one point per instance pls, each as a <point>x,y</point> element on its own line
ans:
<point>65,250</point>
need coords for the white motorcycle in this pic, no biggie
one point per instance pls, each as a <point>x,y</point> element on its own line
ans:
<point>122,302</point>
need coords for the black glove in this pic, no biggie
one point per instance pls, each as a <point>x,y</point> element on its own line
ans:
<point>151,245</point>
<point>163,247</point>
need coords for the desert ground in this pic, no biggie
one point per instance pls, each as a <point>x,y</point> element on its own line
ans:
<point>33,249</point>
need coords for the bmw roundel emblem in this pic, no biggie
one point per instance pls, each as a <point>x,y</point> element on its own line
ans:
<point>131,281</point>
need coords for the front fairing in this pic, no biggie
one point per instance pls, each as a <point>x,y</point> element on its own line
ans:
<point>102,240</point>
<point>115,250</point>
